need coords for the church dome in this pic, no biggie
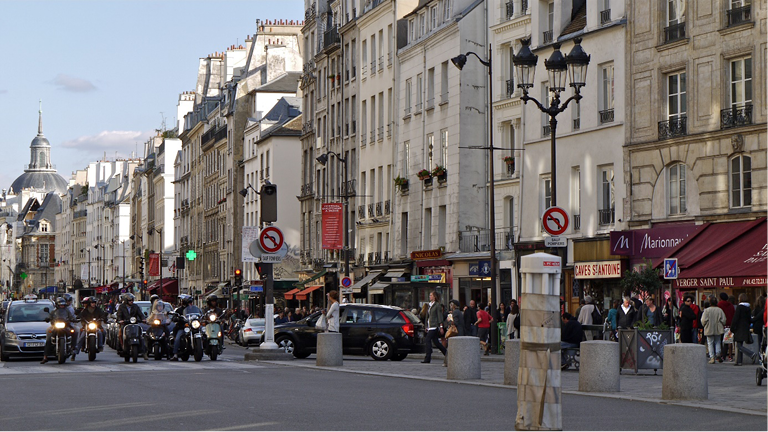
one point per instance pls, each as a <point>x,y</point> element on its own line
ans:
<point>40,175</point>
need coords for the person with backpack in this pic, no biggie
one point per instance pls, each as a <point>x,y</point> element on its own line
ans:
<point>513,321</point>
<point>590,314</point>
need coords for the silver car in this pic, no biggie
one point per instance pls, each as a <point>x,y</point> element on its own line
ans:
<point>252,330</point>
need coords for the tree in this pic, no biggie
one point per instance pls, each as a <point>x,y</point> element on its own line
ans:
<point>643,282</point>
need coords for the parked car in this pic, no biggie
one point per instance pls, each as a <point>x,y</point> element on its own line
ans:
<point>382,332</point>
<point>252,330</point>
<point>23,328</point>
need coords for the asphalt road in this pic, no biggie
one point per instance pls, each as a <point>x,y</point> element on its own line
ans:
<point>233,395</point>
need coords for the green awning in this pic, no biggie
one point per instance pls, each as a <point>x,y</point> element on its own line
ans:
<point>317,276</point>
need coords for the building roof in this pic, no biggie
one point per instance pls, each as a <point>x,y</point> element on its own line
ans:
<point>288,82</point>
<point>286,115</point>
<point>578,23</point>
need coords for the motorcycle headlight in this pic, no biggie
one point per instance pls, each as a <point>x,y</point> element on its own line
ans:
<point>195,324</point>
<point>92,326</point>
<point>59,325</point>
<point>156,322</point>
<point>133,320</point>
<point>186,329</point>
<point>219,334</point>
<point>212,317</point>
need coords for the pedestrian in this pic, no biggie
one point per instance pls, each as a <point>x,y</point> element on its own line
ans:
<point>423,312</point>
<point>585,317</point>
<point>457,316</point>
<point>513,322</point>
<point>742,318</point>
<point>611,318</point>
<point>687,318</point>
<point>571,336</point>
<point>470,318</point>
<point>757,319</point>
<point>578,311</point>
<point>333,312</point>
<point>434,323</point>
<point>713,319</point>
<point>483,324</point>
<point>669,313</point>
<point>501,313</point>
<point>652,312</point>
<point>625,314</point>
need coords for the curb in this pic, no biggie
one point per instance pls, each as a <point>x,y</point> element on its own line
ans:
<point>701,404</point>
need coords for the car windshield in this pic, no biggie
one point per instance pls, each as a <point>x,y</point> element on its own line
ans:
<point>145,309</point>
<point>257,322</point>
<point>34,312</point>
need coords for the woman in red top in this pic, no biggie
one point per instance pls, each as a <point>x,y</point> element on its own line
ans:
<point>483,324</point>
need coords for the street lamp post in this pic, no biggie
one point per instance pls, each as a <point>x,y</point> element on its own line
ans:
<point>459,62</point>
<point>159,231</point>
<point>323,159</point>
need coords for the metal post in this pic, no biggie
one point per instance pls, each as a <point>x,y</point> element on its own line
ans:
<point>269,308</point>
<point>346,217</point>
<point>492,199</point>
<point>553,168</point>
<point>160,289</point>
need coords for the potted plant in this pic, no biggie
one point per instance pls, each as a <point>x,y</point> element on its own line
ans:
<point>440,173</point>
<point>401,183</point>
<point>424,174</point>
<point>509,160</point>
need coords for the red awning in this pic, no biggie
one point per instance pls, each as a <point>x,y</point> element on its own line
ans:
<point>303,294</point>
<point>433,263</point>
<point>102,289</point>
<point>729,254</point>
<point>289,294</point>
<point>170,286</point>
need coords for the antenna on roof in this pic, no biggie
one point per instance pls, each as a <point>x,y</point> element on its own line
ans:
<point>163,117</point>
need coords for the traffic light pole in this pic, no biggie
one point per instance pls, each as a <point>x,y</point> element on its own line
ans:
<point>269,309</point>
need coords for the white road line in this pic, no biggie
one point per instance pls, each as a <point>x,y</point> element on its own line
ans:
<point>145,419</point>
<point>126,367</point>
<point>47,413</point>
<point>247,427</point>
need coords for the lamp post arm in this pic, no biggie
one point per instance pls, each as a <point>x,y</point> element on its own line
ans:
<point>577,97</point>
<point>485,63</point>
<point>525,98</point>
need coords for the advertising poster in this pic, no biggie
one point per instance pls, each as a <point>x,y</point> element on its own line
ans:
<point>154,264</point>
<point>333,226</point>
<point>250,234</point>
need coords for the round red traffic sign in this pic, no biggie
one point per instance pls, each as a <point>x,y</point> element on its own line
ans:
<point>555,221</point>
<point>271,239</point>
<point>346,282</point>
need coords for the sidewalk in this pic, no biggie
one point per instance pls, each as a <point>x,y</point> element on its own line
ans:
<point>731,388</point>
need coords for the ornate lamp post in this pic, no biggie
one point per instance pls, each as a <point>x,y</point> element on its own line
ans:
<point>322,160</point>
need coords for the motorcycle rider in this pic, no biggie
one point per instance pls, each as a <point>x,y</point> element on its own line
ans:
<point>90,313</point>
<point>61,313</point>
<point>157,312</point>
<point>125,312</point>
<point>213,306</point>
<point>186,308</point>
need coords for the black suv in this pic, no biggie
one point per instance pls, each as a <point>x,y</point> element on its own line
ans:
<point>382,332</point>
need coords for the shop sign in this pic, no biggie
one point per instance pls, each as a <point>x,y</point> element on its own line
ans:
<point>432,278</point>
<point>650,243</point>
<point>480,268</point>
<point>720,282</point>
<point>597,270</point>
<point>426,255</point>
<point>333,219</point>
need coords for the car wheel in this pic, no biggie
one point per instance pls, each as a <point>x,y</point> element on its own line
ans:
<point>759,376</point>
<point>286,344</point>
<point>381,349</point>
<point>399,357</point>
<point>301,354</point>
<point>3,356</point>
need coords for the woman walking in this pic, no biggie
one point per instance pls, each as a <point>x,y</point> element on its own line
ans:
<point>742,317</point>
<point>513,322</point>
<point>713,319</point>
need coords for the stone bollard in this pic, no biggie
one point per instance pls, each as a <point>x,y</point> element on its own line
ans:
<point>511,361</point>
<point>685,372</point>
<point>463,358</point>
<point>599,366</point>
<point>329,349</point>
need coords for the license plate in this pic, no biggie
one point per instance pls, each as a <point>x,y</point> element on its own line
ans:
<point>33,344</point>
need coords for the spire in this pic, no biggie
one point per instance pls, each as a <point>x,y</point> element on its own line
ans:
<point>40,120</point>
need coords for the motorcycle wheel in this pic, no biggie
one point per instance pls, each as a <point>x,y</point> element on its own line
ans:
<point>214,353</point>
<point>91,350</point>
<point>135,353</point>
<point>62,351</point>
<point>198,353</point>
<point>159,353</point>
<point>184,357</point>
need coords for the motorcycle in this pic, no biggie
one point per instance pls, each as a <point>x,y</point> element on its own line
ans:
<point>63,336</point>
<point>192,337</point>
<point>131,343</point>
<point>157,340</point>
<point>234,331</point>
<point>92,329</point>
<point>213,342</point>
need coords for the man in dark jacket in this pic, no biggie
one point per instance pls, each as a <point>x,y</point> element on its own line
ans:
<point>727,308</point>
<point>742,318</point>
<point>125,312</point>
<point>687,318</point>
<point>571,336</point>
<point>91,313</point>
<point>60,313</point>
<point>470,317</point>
<point>626,314</point>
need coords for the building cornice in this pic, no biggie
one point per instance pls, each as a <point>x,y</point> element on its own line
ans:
<point>696,138</point>
<point>511,24</point>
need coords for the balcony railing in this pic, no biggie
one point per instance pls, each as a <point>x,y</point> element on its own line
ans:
<point>370,210</point>
<point>605,16</point>
<point>306,190</point>
<point>740,15</point>
<point>606,116</point>
<point>373,66</point>
<point>307,127</point>
<point>389,130</point>
<point>361,212</point>
<point>331,38</point>
<point>349,188</point>
<point>381,63</point>
<point>547,36</point>
<point>479,240</point>
<point>674,127</point>
<point>373,136</point>
<point>418,107</point>
<point>389,58</point>
<point>354,126</point>
<point>363,138</point>
<point>407,111</point>
<point>370,258</point>
<point>430,103</point>
<point>736,116</point>
<point>674,32</point>
<point>546,130</point>
<point>606,216</point>
<point>387,207</point>
<point>510,87</point>
<point>377,258</point>
<point>379,209</point>
<point>381,133</point>
<point>524,6</point>
<point>510,10</point>
<point>361,259</point>
<point>576,222</point>
<point>576,124</point>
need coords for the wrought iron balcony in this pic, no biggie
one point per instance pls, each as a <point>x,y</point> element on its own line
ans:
<point>386,256</point>
<point>479,240</point>
<point>370,210</point>
<point>674,32</point>
<point>510,87</point>
<point>389,130</point>
<point>373,66</point>
<point>606,116</point>
<point>361,259</point>
<point>381,63</point>
<point>377,258</point>
<point>331,38</point>
<point>576,124</point>
<point>524,6</point>
<point>306,190</point>
<point>510,7</point>
<point>736,116</point>
<point>606,216</point>
<point>547,36</point>
<point>739,15</point>
<point>373,136</point>
<point>576,222</point>
<point>389,58</point>
<point>381,133</point>
<point>370,258</point>
<point>387,207</point>
<point>379,209</point>
<point>674,127</point>
<point>307,127</point>
<point>605,16</point>
<point>546,130</point>
<point>348,188</point>
<point>361,212</point>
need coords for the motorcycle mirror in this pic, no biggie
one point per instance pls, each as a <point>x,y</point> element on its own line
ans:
<point>146,314</point>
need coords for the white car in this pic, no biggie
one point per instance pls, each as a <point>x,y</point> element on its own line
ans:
<point>252,330</point>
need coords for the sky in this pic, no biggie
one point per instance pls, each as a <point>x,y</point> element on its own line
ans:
<point>105,70</point>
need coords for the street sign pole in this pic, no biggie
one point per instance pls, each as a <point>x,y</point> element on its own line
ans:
<point>269,308</point>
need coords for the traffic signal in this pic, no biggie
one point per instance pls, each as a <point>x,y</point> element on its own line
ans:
<point>141,266</point>
<point>260,270</point>
<point>238,277</point>
<point>145,283</point>
<point>268,197</point>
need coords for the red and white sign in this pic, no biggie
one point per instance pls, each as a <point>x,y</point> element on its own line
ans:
<point>597,270</point>
<point>555,221</point>
<point>271,239</point>
<point>346,282</point>
<point>333,226</point>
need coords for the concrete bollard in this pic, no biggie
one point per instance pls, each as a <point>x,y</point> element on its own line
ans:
<point>329,349</point>
<point>511,361</point>
<point>685,372</point>
<point>599,366</point>
<point>463,358</point>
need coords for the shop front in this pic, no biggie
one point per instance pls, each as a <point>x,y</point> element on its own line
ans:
<point>596,273</point>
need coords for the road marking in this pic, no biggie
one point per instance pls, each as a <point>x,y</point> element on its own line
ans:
<point>248,426</point>
<point>92,408</point>
<point>127,367</point>
<point>144,419</point>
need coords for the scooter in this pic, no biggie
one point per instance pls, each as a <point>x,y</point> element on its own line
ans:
<point>131,343</point>
<point>63,337</point>
<point>214,341</point>
<point>192,338</point>
<point>157,340</point>
<point>92,329</point>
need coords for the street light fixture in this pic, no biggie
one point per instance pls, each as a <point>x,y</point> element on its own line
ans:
<point>322,160</point>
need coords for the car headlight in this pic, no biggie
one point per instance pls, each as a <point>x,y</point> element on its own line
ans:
<point>133,320</point>
<point>195,324</point>
<point>59,325</point>
<point>92,326</point>
<point>10,335</point>
<point>156,322</point>
<point>212,317</point>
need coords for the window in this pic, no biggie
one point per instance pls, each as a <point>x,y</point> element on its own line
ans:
<point>576,110</point>
<point>430,147</point>
<point>431,88</point>
<point>444,147</point>
<point>606,93</point>
<point>444,82</point>
<point>433,18</point>
<point>741,82</point>
<point>576,197</point>
<point>674,15</point>
<point>741,181</point>
<point>411,31</point>
<point>408,88</point>
<point>546,188</point>
<point>676,183</point>
<point>511,167</point>
<point>607,196</point>
<point>422,24</point>
<point>427,228</point>
<point>447,10</point>
<point>419,92</point>
<point>676,98</point>
<point>442,214</point>
<point>546,129</point>
<point>406,158</point>
<point>404,233</point>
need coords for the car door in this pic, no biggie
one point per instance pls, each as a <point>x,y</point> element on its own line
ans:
<point>359,323</point>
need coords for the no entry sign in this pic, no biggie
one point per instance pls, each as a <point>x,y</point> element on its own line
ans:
<point>271,239</point>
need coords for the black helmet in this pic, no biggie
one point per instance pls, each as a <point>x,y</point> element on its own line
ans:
<point>185,299</point>
<point>61,301</point>
<point>68,297</point>
<point>88,300</point>
<point>154,297</point>
<point>212,299</point>
<point>128,297</point>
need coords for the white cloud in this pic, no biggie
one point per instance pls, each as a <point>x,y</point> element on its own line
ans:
<point>122,142</point>
<point>73,84</point>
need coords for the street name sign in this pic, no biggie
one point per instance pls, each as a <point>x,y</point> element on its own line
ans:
<point>555,241</point>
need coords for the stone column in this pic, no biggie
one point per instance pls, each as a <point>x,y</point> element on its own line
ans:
<point>685,372</point>
<point>511,361</point>
<point>539,390</point>
<point>599,366</point>
<point>464,358</point>
<point>329,349</point>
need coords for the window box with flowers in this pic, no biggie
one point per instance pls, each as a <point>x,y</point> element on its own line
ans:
<point>425,176</point>
<point>510,161</point>
<point>441,173</point>
<point>401,183</point>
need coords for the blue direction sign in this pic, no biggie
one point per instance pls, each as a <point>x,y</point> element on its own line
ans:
<point>670,268</point>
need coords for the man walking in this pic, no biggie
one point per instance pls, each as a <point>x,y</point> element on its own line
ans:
<point>470,317</point>
<point>434,321</point>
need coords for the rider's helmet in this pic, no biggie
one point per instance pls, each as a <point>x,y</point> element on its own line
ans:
<point>61,301</point>
<point>154,297</point>
<point>68,297</point>
<point>212,300</point>
<point>186,299</point>
<point>128,297</point>
<point>90,300</point>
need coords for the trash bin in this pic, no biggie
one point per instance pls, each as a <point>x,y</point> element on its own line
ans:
<point>502,337</point>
